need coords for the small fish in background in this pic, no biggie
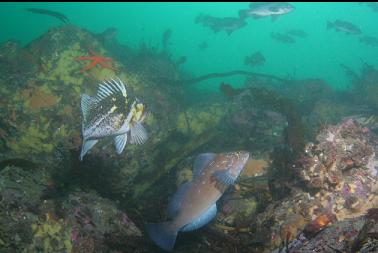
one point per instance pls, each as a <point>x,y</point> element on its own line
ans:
<point>227,24</point>
<point>181,60</point>
<point>256,59</point>
<point>369,40</point>
<point>228,91</point>
<point>260,10</point>
<point>54,14</point>
<point>166,39</point>
<point>194,203</point>
<point>344,26</point>
<point>282,38</point>
<point>109,34</point>
<point>297,33</point>
<point>372,5</point>
<point>203,46</point>
<point>110,114</point>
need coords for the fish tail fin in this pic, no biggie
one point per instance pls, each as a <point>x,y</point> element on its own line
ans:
<point>329,25</point>
<point>163,234</point>
<point>242,14</point>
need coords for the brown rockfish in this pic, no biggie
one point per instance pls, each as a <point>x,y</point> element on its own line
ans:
<point>194,203</point>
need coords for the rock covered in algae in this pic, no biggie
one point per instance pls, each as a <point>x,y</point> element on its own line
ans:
<point>337,181</point>
<point>42,113</point>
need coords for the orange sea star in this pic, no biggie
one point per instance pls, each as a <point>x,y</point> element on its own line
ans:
<point>96,59</point>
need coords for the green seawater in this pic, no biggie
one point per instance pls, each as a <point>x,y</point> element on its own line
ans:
<point>319,55</point>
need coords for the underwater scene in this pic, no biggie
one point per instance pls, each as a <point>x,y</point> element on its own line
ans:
<point>246,127</point>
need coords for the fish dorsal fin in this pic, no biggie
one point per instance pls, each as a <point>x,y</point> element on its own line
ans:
<point>87,103</point>
<point>120,142</point>
<point>138,134</point>
<point>273,8</point>
<point>202,219</point>
<point>111,87</point>
<point>201,162</point>
<point>175,203</point>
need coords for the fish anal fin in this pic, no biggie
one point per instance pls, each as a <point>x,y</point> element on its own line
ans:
<point>86,146</point>
<point>201,220</point>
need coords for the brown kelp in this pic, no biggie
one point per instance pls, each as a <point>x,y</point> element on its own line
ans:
<point>54,14</point>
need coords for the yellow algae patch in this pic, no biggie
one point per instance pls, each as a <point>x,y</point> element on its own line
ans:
<point>66,68</point>
<point>197,121</point>
<point>33,140</point>
<point>52,236</point>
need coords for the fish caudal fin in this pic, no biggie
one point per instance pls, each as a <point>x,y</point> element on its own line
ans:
<point>162,234</point>
<point>120,142</point>
<point>87,145</point>
<point>138,134</point>
<point>329,25</point>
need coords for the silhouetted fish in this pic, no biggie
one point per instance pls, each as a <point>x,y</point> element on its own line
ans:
<point>283,38</point>
<point>203,45</point>
<point>343,26</point>
<point>370,40</point>
<point>256,59</point>
<point>54,14</point>
<point>194,203</point>
<point>297,33</point>
<point>227,24</point>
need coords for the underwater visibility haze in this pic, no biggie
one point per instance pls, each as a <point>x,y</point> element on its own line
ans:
<point>189,127</point>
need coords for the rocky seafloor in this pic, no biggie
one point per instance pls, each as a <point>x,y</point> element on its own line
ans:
<point>302,191</point>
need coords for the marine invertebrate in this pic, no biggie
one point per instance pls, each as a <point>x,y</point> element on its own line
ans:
<point>95,59</point>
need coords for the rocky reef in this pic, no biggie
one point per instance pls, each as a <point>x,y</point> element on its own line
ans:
<point>303,187</point>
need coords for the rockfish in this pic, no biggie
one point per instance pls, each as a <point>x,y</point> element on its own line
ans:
<point>194,203</point>
<point>111,113</point>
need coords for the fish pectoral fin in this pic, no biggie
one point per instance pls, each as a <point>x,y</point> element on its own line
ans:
<point>224,177</point>
<point>138,134</point>
<point>175,203</point>
<point>86,146</point>
<point>274,17</point>
<point>120,142</point>
<point>201,220</point>
<point>201,162</point>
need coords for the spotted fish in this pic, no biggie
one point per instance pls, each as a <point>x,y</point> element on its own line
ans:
<point>194,203</point>
<point>110,113</point>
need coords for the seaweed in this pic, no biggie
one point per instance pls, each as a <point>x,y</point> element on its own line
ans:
<point>54,14</point>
